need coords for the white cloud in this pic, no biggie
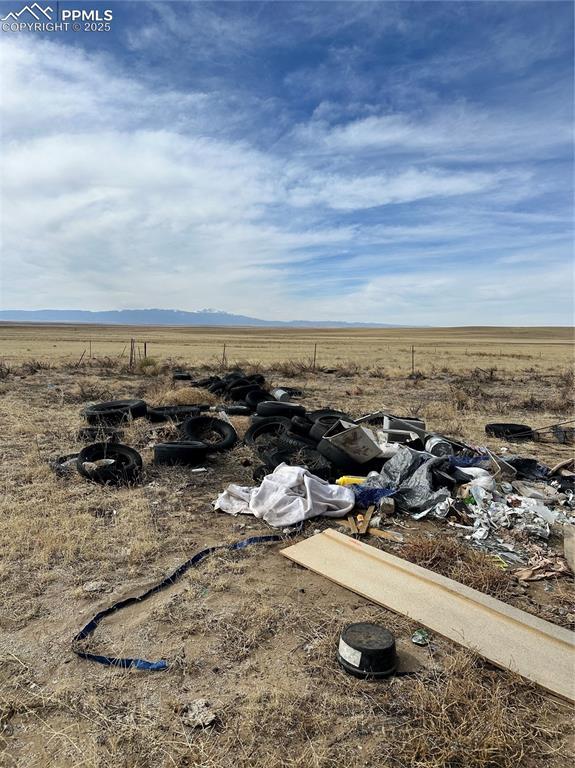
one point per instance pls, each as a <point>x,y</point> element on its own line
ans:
<point>119,194</point>
<point>345,194</point>
<point>457,131</point>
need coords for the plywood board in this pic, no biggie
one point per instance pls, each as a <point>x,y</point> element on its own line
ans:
<point>506,636</point>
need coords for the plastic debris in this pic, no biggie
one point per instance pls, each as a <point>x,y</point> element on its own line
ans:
<point>420,637</point>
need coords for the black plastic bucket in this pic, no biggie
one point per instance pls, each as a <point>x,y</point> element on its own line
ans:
<point>367,650</point>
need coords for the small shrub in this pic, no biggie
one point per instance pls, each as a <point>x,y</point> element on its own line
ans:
<point>33,366</point>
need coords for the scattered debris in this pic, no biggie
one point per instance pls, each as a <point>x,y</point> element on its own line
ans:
<point>420,637</point>
<point>198,714</point>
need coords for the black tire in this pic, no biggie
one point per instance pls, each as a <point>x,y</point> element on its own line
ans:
<point>315,415</point>
<point>238,410</point>
<point>206,381</point>
<point>300,425</point>
<point>323,424</point>
<point>181,376</point>
<point>217,387</point>
<point>290,440</point>
<point>63,464</point>
<point>115,411</point>
<point>271,408</point>
<point>234,376</point>
<point>236,382</point>
<point>318,431</point>
<point>217,434</point>
<point>257,396</point>
<point>302,457</point>
<point>239,393</point>
<point>292,391</point>
<point>509,431</point>
<point>266,432</point>
<point>175,413</point>
<point>99,434</point>
<point>190,453</point>
<point>127,466</point>
<point>255,419</point>
<point>257,378</point>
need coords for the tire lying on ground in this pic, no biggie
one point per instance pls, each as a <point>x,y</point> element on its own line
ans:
<point>292,441</point>
<point>257,378</point>
<point>172,413</point>
<point>63,464</point>
<point>206,381</point>
<point>303,456</point>
<point>217,434</point>
<point>257,396</point>
<point>190,453</point>
<point>109,463</point>
<point>324,423</point>
<point>266,432</point>
<point>273,408</point>
<point>237,410</point>
<point>315,415</point>
<point>181,376</point>
<point>240,393</point>
<point>510,431</point>
<point>115,411</point>
<point>300,425</point>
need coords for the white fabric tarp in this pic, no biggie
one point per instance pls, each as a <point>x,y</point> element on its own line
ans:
<point>286,497</point>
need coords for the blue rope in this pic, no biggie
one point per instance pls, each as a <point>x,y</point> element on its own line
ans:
<point>128,663</point>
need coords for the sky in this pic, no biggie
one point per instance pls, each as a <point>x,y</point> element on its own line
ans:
<point>386,162</point>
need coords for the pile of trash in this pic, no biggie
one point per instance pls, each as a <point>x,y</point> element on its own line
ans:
<point>325,462</point>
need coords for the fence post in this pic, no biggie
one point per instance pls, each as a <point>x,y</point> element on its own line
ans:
<point>314,356</point>
<point>412,360</point>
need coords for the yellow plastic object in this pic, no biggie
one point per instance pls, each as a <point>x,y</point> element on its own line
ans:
<point>350,480</point>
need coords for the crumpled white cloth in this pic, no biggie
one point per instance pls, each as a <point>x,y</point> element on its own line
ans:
<point>286,497</point>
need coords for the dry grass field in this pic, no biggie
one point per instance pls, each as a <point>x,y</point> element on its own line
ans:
<point>250,632</point>
<point>452,348</point>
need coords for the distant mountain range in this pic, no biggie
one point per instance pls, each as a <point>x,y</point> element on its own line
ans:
<point>204,317</point>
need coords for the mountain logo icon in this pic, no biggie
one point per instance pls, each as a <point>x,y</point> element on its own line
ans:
<point>35,10</point>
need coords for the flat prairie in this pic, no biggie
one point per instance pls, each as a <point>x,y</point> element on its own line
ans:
<point>391,348</point>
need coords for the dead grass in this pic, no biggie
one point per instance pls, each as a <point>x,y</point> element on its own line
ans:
<point>452,558</point>
<point>168,394</point>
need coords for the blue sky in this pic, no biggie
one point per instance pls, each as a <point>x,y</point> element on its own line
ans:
<point>363,161</point>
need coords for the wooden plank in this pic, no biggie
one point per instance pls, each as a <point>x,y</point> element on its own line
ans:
<point>352,524</point>
<point>569,545</point>
<point>510,638</point>
<point>379,534</point>
<point>362,529</point>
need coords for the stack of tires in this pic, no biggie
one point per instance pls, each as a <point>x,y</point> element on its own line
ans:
<point>286,432</point>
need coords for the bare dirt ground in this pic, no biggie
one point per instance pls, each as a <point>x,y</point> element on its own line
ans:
<point>249,632</point>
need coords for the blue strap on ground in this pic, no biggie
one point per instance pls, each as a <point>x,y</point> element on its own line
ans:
<point>127,663</point>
